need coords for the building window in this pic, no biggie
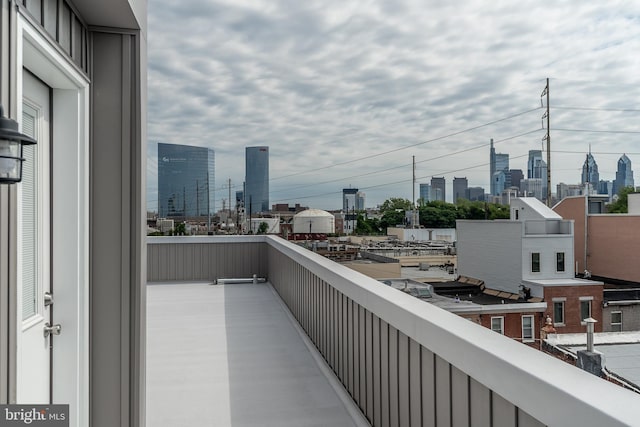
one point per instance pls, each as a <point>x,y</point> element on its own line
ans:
<point>497,324</point>
<point>527,328</point>
<point>616,321</point>
<point>535,262</point>
<point>558,312</point>
<point>560,262</point>
<point>585,309</point>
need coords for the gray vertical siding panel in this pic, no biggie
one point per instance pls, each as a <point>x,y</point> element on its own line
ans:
<point>443,393</point>
<point>362,361</point>
<point>345,340</point>
<point>205,261</point>
<point>356,353</point>
<point>377,372</point>
<point>394,416</point>
<point>460,401</point>
<point>369,363</point>
<point>526,420</point>
<point>385,396</point>
<point>415,387</point>
<point>428,388</point>
<point>350,365</point>
<point>504,413</point>
<point>403,379</point>
<point>479,404</point>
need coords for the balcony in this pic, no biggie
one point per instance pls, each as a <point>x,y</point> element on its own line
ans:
<point>320,344</point>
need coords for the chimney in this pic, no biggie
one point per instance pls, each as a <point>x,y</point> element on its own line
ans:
<point>588,359</point>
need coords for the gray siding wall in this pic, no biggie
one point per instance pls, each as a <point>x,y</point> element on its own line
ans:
<point>117,251</point>
<point>8,218</point>
<point>491,251</point>
<point>630,317</point>
<point>171,259</point>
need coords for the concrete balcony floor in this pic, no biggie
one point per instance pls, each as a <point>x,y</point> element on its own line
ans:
<point>230,355</point>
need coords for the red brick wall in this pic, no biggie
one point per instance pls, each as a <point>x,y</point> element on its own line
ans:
<point>614,245</point>
<point>612,241</point>
<point>512,323</point>
<point>572,294</point>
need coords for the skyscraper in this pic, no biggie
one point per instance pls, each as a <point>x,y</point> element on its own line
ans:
<point>186,181</point>
<point>624,175</point>
<point>438,191</point>
<point>460,186</point>
<point>425,193</point>
<point>360,200</point>
<point>537,169</point>
<point>590,172</point>
<point>497,163</point>
<point>516,176</point>
<point>256,194</point>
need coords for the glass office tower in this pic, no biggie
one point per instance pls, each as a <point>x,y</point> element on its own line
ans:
<point>256,195</point>
<point>186,181</point>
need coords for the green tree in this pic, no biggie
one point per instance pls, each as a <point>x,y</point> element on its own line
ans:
<point>262,228</point>
<point>367,226</point>
<point>393,211</point>
<point>395,203</point>
<point>622,204</point>
<point>180,229</point>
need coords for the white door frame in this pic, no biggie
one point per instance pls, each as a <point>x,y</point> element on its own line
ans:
<point>70,211</point>
<point>33,382</point>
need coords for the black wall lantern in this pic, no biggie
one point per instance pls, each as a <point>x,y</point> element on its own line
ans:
<point>11,143</point>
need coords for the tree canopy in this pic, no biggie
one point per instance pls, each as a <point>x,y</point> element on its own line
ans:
<point>622,204</point>
<point>438,214</point>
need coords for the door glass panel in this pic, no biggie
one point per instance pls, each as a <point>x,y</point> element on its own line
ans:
<point>29,217</point>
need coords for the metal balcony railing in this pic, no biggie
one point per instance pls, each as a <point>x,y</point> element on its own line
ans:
<point>403,361</point>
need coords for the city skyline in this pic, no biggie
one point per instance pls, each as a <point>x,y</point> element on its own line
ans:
<point>346,95</point>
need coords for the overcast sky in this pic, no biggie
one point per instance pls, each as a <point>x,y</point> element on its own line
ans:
<point>346,92</point>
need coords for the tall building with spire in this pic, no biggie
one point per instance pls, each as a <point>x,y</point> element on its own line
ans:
<point>537,169</point>
<point>590,171</point>
<point>624,175</point>
<point>498,171</point>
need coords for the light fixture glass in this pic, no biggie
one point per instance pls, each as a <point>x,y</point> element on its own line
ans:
<point>11,143</point>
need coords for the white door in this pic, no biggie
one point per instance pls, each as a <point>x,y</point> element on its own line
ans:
<point>34,259</point>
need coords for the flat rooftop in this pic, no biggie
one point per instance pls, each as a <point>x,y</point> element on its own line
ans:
<point>228,355</point>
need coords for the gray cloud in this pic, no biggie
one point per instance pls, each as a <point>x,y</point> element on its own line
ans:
<point>323,82</point>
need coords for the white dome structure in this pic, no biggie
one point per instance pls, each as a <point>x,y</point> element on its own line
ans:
<point>314,221</point>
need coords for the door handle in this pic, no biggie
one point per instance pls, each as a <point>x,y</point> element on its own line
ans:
<point>51,329</point>
<point>48,299</point>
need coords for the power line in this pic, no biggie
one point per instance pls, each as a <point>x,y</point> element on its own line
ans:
<point>598,131</point>
<point>403,165</point>
<point>409,146</point>
<point>622,110</point>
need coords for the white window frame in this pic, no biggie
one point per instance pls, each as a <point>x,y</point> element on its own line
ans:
<point>616,323</point>
<point>564,262</point>
<point>501,319</point>
<point>532,338</point>
<point>539,263</point>
<point>588,299</point>
<point>562,301</point>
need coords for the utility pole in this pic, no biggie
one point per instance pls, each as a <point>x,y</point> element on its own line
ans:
<point>413,185</point>
<point>548,138</point>
<point>229,210</point>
